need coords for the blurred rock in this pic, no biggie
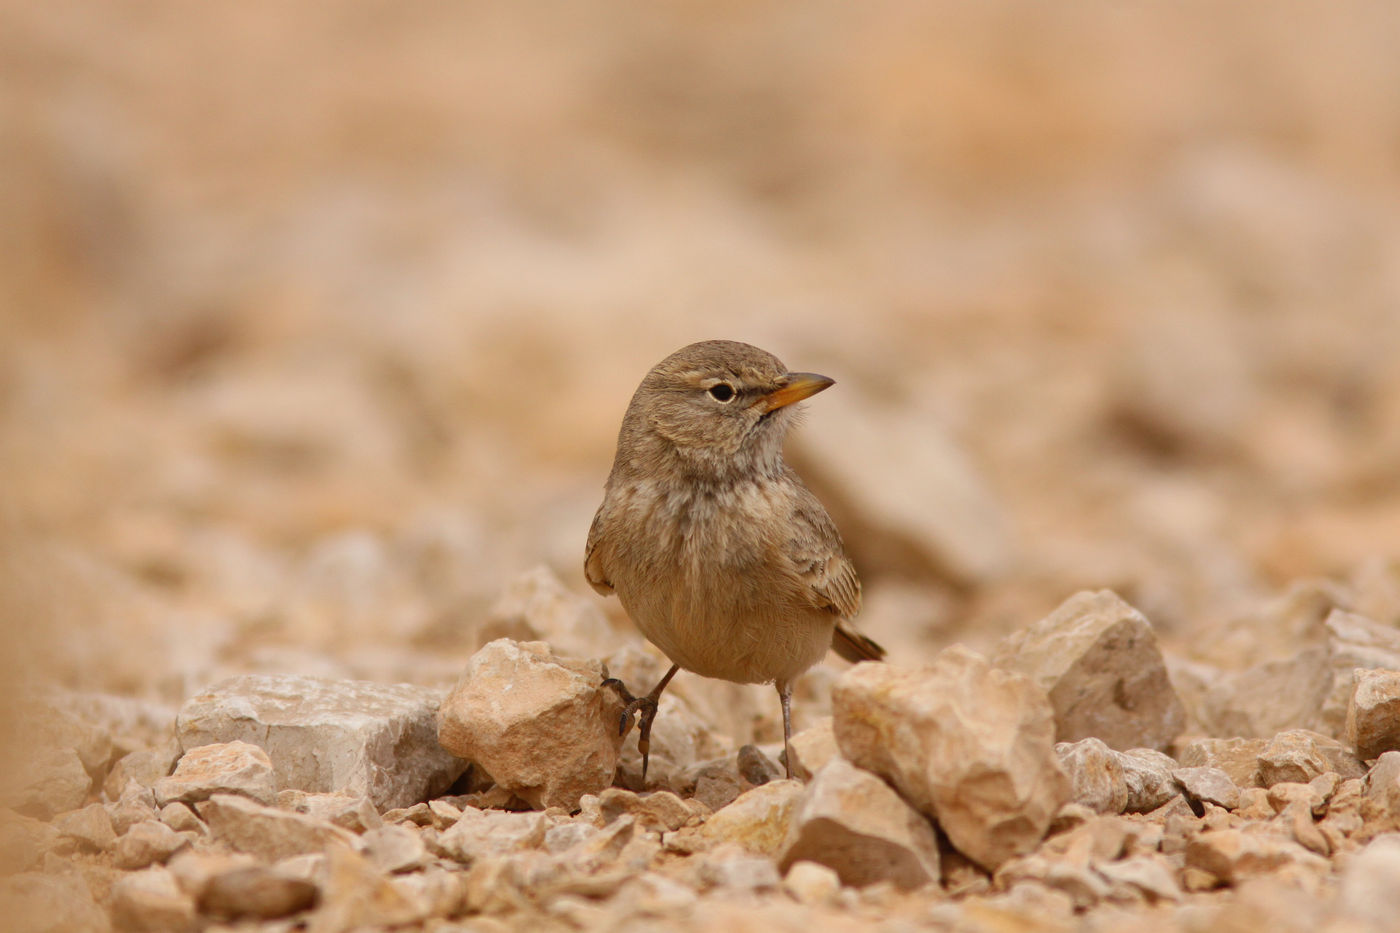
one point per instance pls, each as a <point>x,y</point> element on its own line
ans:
<point>355,737</point>
<point>1233,855</point>
<point>536,606</point>
<point>482,834</point>
<point>23,842</point>
<point>267,832</point>
<point>31,902</point>
<point>812,883</point>
<point>1096,775</point>
<point>147,843</point>
<point>1381,793</point>
<point>660,810</point>
<point>145,766</point>
<point>756,767</point>
<point>968,744</point>
<point>854,823</point>
<point>1208,785</point>
<point>356,814</point>
<point>181,818</point>
<point>44,781</point>
<point>540,725</point>
<point>758,819</point>
<point>255,892</point>
<point>150,901</point>
<point>900,490</point>
<point>1097,658</point>
<point>395,848</point>
<point>1369,894</point>
<point>90,827</point>
<point>356,896</point>
<point>1373,714</point>
<point>225,768</point>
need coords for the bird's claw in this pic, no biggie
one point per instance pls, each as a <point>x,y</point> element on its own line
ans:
<point>644,708</point>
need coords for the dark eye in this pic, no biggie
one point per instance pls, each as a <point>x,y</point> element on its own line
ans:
<point>722,392</point>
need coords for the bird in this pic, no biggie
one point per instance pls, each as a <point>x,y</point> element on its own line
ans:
<point>717,550</point>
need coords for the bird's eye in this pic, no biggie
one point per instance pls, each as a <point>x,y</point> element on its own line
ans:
<point>722,392</point>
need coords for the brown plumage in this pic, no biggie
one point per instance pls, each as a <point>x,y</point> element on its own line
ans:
<point>718,552</point>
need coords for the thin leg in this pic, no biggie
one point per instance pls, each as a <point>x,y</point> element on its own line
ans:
<point>785,697</point>
<point>646,706</point>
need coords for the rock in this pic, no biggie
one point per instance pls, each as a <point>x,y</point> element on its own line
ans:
<point>23,842</point>
<point>45,781</point>
<point>966,743</point>
<point>1238,758</point>
<point>812,883</point>
<point>182,819</point>
<point>145,766</point>
<point>734,869</point>
<point>356,896</point>
<point>540,725</point>
<point>356,814</point>
<point>31,902</point>
<point>133,805</point>
<point>1233,855</point>
<point>1380,793</point>
<point>1299,755</point>
<point>1373,713</point>
<point>660,810</point>
<point>904,496</point>
<point>756,767</point>
<point>482,834</point>
<point>757,821</point>
<point>1149,873</point>
<point>1097,658</point>
<point>150,901</point>
<point>268,833</point>
<point>1096,775</point>
<point>537,606</point>
<point>329,736</point>
<point>855,824</point>
<point>813,747</point>
<point>1353,642</point>
<point>395,848</point>
<point>223,768</point>
<point>1369,894</point>
<point>1147,773</point>
<point>147,843</point>
<point>256,892</point>
<point>1208,785</point>
<point>90,827</point>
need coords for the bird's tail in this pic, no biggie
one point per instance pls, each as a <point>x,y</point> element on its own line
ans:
<point>853,646</point>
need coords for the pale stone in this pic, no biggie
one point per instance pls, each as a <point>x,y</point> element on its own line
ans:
<point>356,814</point>
<point>482,834</point>
<point>1373,714</point>
<point>147,843</point>
<point>257,892</point>
<point>1096,775</point>
<point>145,766</point>
<point>1210,785</point>
<point>813,747</point>
<point>330,736</point>
<point>1097,659</point>
<point>23,842</point>
<point>181,818</point>
<point>966,743</point>
<point>1380,793</point>
<point>90,827</point>
<point>1238,758</point>
<point>660,810</point>
<point>812,883</point>
<point>150,901</point>
<point>45,781</point>
<point>356,896</point>
<point>395,848</point>
<point>1148,776</point>
<point>31,902</point>
<point>540,725</point>
<point>854,823</point>
<point>267,832</point>
<point>1299,755</point>
<point>133,805</point>
<point>758,819</point>
<point>1232,855</point>
<point>223,768</point>
<point>1149,873</point>
<point>734,869</point>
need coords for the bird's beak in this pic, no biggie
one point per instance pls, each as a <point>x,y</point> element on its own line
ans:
<point>795,387</point>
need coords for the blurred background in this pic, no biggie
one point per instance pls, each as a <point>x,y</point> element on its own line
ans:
<point>317,321</point>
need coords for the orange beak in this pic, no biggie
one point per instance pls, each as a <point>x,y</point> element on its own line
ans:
<point>795,387</point>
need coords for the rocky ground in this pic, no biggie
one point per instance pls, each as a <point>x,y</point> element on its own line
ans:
<point>316,326</point>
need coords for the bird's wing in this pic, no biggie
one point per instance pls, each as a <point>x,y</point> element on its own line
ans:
<point>821,559</point>
<point>593,557</point>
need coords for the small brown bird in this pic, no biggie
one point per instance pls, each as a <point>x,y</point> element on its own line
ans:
<point>718,552</point>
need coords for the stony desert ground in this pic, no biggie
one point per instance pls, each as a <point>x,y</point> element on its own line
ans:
<point>316,327</point>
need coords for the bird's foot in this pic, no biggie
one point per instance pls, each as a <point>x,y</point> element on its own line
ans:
<point>629,703</point>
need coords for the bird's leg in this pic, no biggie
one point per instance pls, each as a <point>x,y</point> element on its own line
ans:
<point>647,706</point>
<point>785,697</point>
